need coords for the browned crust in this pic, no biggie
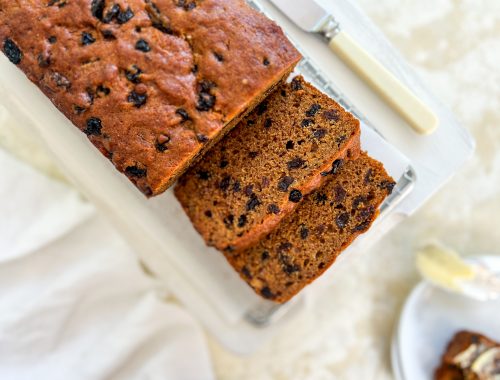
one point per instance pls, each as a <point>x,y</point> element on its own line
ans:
<point>196,48</point>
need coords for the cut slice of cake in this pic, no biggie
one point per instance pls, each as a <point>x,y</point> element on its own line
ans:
<point>259,173</point>
<point>470,356</point>
<point>308,241</point>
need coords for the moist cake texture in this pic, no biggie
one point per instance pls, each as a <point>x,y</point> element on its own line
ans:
<point>259,173</point>
<point>153,84</point>
<point>309,241</point>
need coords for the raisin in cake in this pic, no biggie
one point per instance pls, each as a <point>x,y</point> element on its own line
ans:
<point>470,356</point>
<point>308,241</point>
<point>153,84</point>
<point>257,175</point>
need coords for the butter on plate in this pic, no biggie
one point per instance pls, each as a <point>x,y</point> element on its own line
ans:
<point>444,268</point>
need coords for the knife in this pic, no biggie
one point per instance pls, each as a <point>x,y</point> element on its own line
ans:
<point>311,17</point>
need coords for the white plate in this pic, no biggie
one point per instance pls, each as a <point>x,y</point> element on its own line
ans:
<point>430,318</point>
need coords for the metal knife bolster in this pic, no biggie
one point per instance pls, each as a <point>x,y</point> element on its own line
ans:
<point>330,28</point>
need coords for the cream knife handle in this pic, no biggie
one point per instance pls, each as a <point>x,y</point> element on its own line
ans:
<point>412,109</point>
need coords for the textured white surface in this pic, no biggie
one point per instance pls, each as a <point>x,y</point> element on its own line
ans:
<point>455,47</point>
<point>75,302</point>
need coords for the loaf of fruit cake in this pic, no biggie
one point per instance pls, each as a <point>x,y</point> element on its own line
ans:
<point>153,84</point>
<point>470,356</point>
<point>308,241</point>
<point>258,174</point>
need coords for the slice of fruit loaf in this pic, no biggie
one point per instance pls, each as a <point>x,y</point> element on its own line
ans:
<point>308,241</point>
<point>258,174</point>
<point>470,355</point>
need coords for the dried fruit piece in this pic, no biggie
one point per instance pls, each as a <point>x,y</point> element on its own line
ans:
<point>12,51</point>
<point>206,101</point>
<point>157,19</point>
<point>182,113</point>
<point>331,115</point>
<point>87,38</point>
<point>201,138</point>
<point>304,232</point>
<point>267,293</point>
<point>253,203</point>
<point>342,220</point>
<point>94,127</point>
<point>246,273</point>
<point>203,175</point>
<point>242,220</point>
<point>319,133</point>
<point>124,16</point>
<point>295,196</point>
<point>186,5</point>
<point>295,163</point>
<point>320,198</point>
<point>261,108</point>
<point>311,112</point>
<point>219,57</point>
<point>285,183</point>
<point>142,45</point>
<point>138,100</point>
<point>337,164</point>
<point>229,221</point>
<point>387,185</point>
<point>97,9</point>
<point>224,183</point>
<point>273,209</point>
<point>43,60</point>
<point>134,171</point>
<point>306,123</point>
<point>133,74</point>
<point>296,84</point>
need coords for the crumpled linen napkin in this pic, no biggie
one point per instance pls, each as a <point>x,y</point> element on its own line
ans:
<point>34,210</point>
<point>74,302</point>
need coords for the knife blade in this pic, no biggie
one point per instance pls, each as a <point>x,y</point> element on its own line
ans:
<point>311,17</point>
<point>307,15</point>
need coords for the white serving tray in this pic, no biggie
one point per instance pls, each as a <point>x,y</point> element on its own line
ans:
<point>163,237</point>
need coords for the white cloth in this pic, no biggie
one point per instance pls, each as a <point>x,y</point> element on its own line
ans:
<point>74,302</point>
<point>34,210</point>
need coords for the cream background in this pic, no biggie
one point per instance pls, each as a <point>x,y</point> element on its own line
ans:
<point>455,47</point>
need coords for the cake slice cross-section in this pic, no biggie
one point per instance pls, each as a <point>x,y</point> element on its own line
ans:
<point>259,173</point>
<point>309,241</point>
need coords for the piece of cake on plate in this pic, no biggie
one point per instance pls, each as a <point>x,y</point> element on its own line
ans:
<point>470,356</point>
